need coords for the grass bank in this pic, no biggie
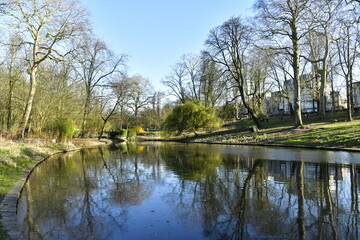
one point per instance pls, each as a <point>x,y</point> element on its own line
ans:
<point>330,133</point>
<point>15,157</point>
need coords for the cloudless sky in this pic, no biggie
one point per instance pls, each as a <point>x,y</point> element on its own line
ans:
<point>156,33</point>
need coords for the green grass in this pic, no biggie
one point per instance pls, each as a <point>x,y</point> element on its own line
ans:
<point>338,135</point>
<point>332,132</point>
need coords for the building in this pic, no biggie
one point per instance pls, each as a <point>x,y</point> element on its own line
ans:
<point>278,104</point>
<point>281,102</point>
<point>338,104</point>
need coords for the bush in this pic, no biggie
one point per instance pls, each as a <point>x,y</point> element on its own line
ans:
<point>64,128</point>
<point>139,129</point>
<point>190,116</point>
<point>123,133</point>
<point>131,133</point>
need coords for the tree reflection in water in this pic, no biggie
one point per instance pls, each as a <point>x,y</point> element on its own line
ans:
<point>181,191</point>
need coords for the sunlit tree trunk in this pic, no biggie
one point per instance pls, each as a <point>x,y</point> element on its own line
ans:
<point>29,103</point>
<point>297,84</point>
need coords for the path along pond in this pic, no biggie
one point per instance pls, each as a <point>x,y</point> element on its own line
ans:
<point>193,191</point>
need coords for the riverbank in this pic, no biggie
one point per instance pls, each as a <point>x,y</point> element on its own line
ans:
<point>333,133</point>
<point>17,157</point>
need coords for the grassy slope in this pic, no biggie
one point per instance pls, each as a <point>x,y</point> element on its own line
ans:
<point>333,133</point>
<point>337,135</point>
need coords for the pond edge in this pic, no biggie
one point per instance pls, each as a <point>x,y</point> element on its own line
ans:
<point>8,207</point>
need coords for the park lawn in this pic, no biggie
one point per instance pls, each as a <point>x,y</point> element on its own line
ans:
<point>315,133</point>
<point>344,135</point>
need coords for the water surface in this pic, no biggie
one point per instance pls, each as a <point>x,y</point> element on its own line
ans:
<point>193,191</point>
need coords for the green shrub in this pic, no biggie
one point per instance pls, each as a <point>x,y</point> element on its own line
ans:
<point>123,133</point>
<point>131,133</point>
<point>190,116</point>
<point>64,128</point>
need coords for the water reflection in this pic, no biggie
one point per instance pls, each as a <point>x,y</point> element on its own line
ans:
<point>178,191</point>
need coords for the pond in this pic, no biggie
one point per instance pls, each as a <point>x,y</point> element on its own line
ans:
<point>193,191</point>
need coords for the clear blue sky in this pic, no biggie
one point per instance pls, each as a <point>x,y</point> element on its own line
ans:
<point>156,33</point>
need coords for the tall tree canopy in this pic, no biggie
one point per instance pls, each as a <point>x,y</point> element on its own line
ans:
<point>229,46</point>
<point>45,27</point>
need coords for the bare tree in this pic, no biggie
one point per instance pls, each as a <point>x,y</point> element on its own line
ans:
<point>140,94</point>
<point>120,93</point>
<point>14,69</point>
<point>227,45</point>
<point>348,45</point>
<point>323,16</point>
<point>282,20</point>
<point>94,63</point>
<point>280,72</point>
<point>195,78</point>
<point>191,64</point>
<point>176,81</point>
<point>355,8</point>
<point>45,26</point>
<point>212,82</point>
<point>258,68</point>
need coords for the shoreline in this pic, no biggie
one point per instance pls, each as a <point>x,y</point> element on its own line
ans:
<point>257,144</point>
<point>272,137</point>
<point>277,145</point>
<point>8,205</point>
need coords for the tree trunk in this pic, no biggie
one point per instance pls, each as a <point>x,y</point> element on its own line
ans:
<point>9,102</point>
<point>322,98</point>
<point>196,134</point>
<point>103,127</point>
<point>86,113</point>
<point>29,103</point>
<point>322,107</point>
<point>334,106</point>
<point>236,110</point>
<point>297,85</point>
<point>349,98</point>
<point>251,111</point>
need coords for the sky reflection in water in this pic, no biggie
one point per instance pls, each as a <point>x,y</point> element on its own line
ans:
<point>193,191</point>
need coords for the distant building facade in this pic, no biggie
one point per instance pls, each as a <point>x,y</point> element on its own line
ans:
<point>335,102</point>
<point>281,102</point>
